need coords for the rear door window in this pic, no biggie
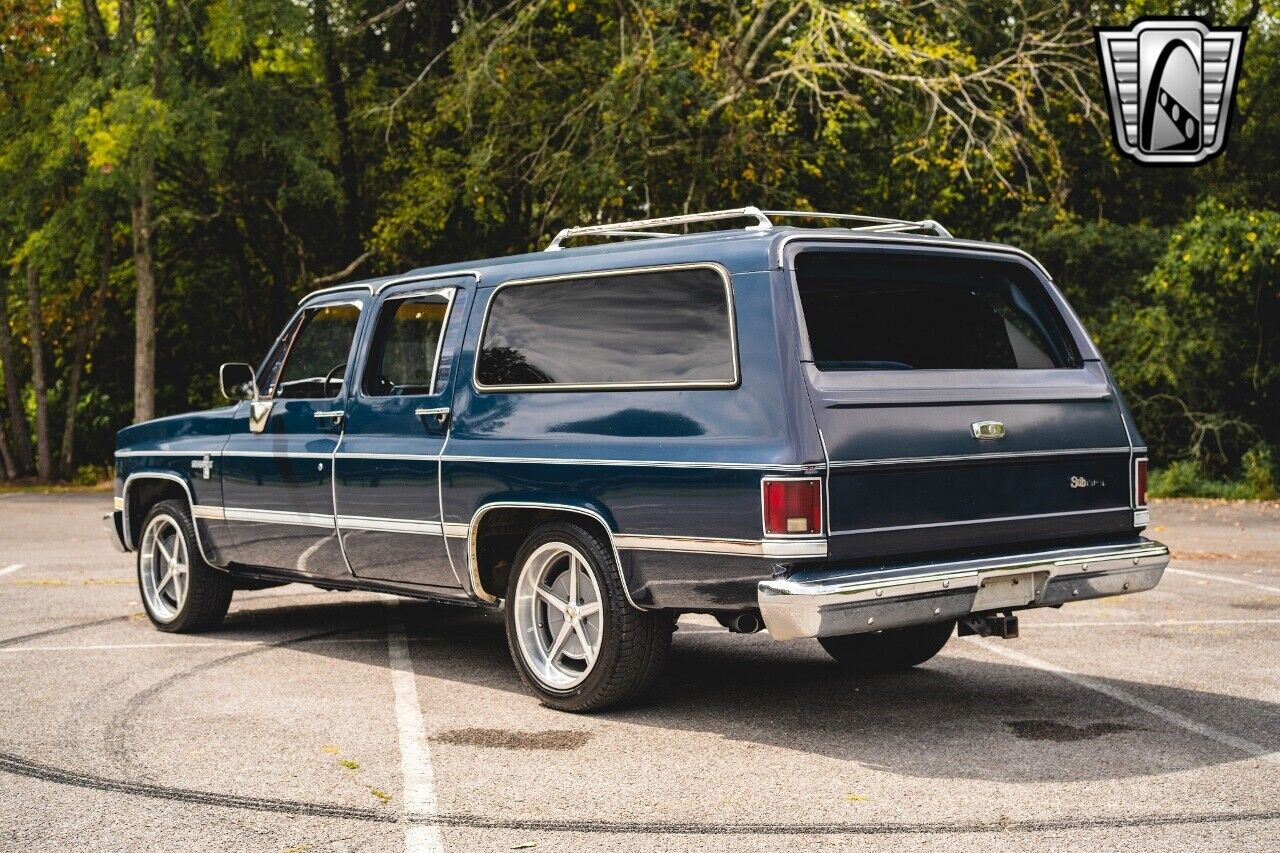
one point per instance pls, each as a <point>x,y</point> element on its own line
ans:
<point>660,328</point>
<point>406,346</point>
<point>888,311</point>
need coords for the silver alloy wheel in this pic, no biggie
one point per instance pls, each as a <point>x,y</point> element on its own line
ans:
<point>164,568</point>
<point>559,615</point>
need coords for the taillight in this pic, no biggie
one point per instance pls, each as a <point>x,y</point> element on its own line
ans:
<point>1140,482</point>
<point>792,506</point>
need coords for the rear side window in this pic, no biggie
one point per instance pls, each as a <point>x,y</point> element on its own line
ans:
<point>661,328</point>
<point>886,311</point>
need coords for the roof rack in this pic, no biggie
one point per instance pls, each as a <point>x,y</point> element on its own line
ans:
<point>764,221</point>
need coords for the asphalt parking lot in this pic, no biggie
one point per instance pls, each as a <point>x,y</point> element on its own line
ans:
<point>316,721</point>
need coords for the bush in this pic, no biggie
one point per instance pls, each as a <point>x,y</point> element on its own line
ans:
<point>1186,478</point>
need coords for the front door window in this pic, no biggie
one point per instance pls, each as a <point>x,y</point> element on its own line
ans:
<point>315,360</point>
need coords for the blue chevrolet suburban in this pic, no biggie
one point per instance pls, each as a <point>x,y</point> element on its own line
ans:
<point>869,433</point>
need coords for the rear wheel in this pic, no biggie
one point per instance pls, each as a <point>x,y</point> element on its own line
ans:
<point>180,591</point>
<point>889,651</point>
<point>576,641</point>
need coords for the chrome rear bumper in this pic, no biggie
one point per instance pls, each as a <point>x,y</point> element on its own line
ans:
<point>831,602</point>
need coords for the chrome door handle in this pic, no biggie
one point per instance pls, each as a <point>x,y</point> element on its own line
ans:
<point>335,416</point>
<point>441,414</point>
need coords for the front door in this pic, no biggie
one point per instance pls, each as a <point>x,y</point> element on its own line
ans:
<point>387,491</point>
<point>277,468</point>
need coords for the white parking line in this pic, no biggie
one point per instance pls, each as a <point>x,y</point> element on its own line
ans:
<point>1156,623</point>
<point>1222,579</point>
<point>1254,750</point>
<point>8,570</point>
<point>194,644</point>
<point>420,836</point>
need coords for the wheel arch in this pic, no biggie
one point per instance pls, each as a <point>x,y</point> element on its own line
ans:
<point>498,528</point>
<point>143,490</point>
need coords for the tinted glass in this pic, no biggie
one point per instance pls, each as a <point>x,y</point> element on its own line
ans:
<point>318,352</point>
<point>895,312</point>
<point>643,328</point>
<point>405,346</point>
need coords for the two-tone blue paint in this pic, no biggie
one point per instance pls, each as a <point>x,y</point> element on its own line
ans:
<point>389,499</point>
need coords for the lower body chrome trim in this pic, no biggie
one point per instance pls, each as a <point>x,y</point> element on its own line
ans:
<point>835,602</point>
<point>794,549</point>
<point>271,516</point>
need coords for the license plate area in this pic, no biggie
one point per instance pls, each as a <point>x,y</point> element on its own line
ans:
<point>1003,591</point>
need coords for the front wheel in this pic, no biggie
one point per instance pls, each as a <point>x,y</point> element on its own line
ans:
<point>891,650</point>
<point>576,641</point>
<point>182,593</point>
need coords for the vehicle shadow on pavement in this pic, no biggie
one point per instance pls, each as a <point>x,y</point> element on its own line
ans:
<point>959,716</point>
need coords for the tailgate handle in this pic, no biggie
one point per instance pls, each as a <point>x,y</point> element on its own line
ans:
<point>987,430</point>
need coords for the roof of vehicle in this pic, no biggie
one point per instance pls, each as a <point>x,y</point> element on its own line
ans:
<point>740,249</point>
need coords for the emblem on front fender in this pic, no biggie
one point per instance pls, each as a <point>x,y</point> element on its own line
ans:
<point>987,429</point>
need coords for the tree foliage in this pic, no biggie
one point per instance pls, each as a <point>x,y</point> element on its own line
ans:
<point>175,173</point>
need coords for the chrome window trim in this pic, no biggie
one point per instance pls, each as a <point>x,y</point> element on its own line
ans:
<point>473,567</point>
<point>719,269</point>
<point>860,530</point>
<point>337,288</point>
<point>434,276</point>
<point>191,505</point>
<point>935,242</point>
<point>975,457</point>
<point>448,293</point>
<point>764,522</point>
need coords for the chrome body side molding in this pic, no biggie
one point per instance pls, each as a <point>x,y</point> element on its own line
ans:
<point>834,602</point>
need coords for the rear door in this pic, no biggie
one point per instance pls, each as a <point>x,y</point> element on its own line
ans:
<point>387,491</point>
<point>959,405</point>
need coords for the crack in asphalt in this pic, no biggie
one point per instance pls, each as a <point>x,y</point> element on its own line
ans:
<point>19,766</point>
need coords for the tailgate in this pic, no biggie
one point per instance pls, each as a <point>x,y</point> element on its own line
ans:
<point>909,477</point>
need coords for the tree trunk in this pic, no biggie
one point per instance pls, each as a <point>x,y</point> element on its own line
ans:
<point>13,388</point>
<point>44,449</point>
<point>144,348</point>
<point>347,163</point>
<point>10,471</point>
<point>85,336</point>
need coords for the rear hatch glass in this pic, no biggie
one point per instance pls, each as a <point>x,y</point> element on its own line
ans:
<point>887,312</point>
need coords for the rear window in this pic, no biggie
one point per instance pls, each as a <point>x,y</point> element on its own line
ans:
<point>886,311</point>
<point>661,328</point>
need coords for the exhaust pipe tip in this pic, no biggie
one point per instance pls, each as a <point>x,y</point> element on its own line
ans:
<point>747,622</point>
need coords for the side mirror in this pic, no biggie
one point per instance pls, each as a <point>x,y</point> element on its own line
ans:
<point>238,381</point>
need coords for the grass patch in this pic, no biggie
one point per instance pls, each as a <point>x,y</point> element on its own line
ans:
<point>349,764</point>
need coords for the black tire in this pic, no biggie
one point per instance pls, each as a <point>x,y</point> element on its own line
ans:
<point>208,592</point>
<point>889,651</point>
<point>633,643</point>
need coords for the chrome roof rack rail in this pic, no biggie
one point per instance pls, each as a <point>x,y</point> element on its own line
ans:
<point>764,221</point>
<point>629,229</point>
